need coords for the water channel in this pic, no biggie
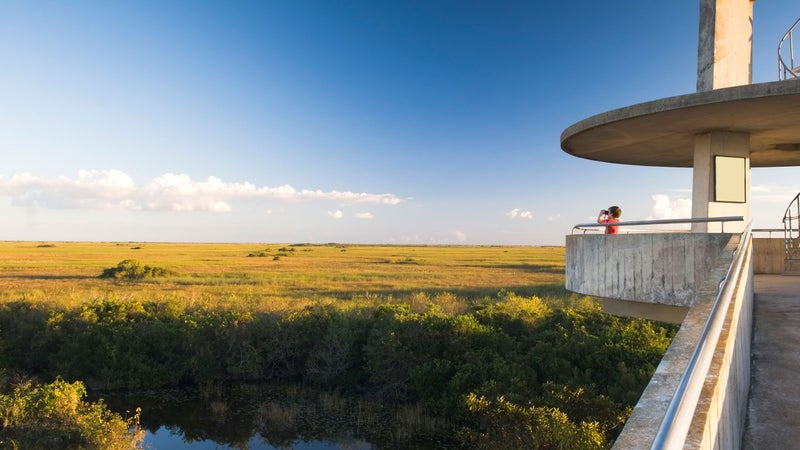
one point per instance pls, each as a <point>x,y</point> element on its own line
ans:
<point>257,417</point>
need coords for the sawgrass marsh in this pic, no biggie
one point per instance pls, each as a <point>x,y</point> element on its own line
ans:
<point>484,336</point>
<point>271,277</point>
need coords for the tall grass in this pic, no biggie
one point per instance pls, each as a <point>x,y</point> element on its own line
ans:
<point>228,275</point>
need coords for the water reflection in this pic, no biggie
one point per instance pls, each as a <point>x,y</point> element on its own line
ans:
<point>164,438</point>
<point>258,417</point>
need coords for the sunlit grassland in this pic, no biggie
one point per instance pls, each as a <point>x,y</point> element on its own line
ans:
<point>275,276</point>
<point>466,334</point>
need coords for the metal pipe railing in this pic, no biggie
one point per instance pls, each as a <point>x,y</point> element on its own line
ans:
<point>583,226</point>
<point>791,221</point>
<point>787,70</point>
<point>677,420</point>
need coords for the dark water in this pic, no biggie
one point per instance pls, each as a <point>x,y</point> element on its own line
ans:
<point>164,438</point>
<point>273,417</point>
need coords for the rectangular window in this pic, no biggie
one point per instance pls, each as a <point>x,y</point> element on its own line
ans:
<point>730,179</point>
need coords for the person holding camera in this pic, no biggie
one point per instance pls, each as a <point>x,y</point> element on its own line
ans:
<point>610,215</point>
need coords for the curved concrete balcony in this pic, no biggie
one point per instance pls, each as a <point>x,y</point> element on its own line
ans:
<point>654,275</point>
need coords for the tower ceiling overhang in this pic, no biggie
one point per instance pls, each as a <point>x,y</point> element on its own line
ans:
<point>662,132</point>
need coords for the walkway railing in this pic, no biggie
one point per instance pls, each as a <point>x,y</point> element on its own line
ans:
<point>791,233</point>
<point>592,226</point>
<point>787,71</point>
<point>675,426</point>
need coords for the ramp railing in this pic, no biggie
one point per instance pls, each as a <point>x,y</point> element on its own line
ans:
<point>786,67</point>
<point>791,232</point>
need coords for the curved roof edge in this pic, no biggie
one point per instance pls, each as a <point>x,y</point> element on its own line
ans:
<point>661,132</point>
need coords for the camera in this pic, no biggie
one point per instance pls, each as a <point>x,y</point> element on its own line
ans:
<point>605,212</point>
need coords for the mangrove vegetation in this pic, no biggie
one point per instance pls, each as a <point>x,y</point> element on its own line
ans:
<point>484,342</point>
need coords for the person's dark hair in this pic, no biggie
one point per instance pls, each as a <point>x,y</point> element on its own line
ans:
<point>615,211</point>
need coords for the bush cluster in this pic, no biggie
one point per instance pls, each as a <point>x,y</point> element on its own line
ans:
<point>55,415</point>
<point>132,270</point>
<point>510,360</point>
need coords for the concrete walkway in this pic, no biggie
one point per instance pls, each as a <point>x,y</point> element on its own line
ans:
<point>773,411</point>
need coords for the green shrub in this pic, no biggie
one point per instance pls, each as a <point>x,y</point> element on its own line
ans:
<point>589,365</point>
<point>504,425</point>
<point>132,270</point>
<point>55,415</point>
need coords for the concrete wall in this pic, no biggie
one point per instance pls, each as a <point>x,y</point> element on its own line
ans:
<point>657,268</point>
<point>719,417</point>
<point>769,255</point>
<point>721,414</point>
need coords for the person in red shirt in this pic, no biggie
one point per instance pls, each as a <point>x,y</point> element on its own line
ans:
<point>611,215</point>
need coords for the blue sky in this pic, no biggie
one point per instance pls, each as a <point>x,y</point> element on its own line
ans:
<point>413,122</point>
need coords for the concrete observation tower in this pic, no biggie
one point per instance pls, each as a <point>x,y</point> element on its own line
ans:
<point>728,126</point>
<point>706,280</point>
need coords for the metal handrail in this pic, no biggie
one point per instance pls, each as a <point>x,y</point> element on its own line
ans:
<point>783,68</point>
<point>787,214</point>
<point>790,229</point>
<point>678,418</point>
<point>582,226</point>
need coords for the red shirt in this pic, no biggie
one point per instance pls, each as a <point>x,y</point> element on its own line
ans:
<point>611,230</point>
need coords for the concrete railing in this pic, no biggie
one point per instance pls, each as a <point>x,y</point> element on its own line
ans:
<point>658,268</point>
<point>697,397</point>
<point>769,251</point>
<point>769,255</point>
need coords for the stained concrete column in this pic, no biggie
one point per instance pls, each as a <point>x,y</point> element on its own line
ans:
<point>725,44</point>
<point>721,179</point>
<point>724,59</point>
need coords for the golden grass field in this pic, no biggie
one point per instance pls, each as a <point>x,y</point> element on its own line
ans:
<point>272,276</point>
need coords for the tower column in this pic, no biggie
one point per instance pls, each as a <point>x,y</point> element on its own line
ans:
<point>721,173</point>
<point>721,179</point>
<point>725,44</point>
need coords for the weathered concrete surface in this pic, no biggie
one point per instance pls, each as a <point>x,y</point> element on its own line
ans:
<point>721,412</point>
<point>773,416</point>
<point>643,424</point>
<point>724,50</point>
<point>769,255</point>
<point>658,268</point>
<point>650,311</point>
<point>708,146</point>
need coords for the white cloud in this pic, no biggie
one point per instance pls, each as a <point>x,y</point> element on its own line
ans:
<point>459,235</point>
<point>92,189</point>
<point>180,193</point>
<point>113,189</point>
<point>364,215</point>
<point>773,193</point>
<point>665,207</point>
<point>335,214</point>
<point>517,212</point>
